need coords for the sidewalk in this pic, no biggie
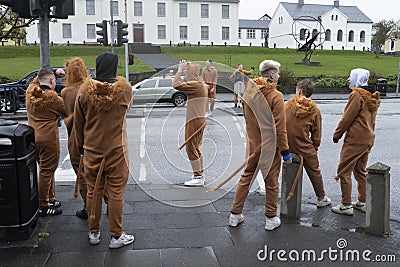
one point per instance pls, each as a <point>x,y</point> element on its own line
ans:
<point>200,236</point>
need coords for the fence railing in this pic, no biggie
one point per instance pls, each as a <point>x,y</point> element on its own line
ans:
<point>9,99</point>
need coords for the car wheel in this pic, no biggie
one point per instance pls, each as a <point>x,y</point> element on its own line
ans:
<point>179,100</point>
<point>6,104</point>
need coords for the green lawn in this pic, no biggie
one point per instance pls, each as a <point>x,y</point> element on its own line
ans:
<point>17,61</point>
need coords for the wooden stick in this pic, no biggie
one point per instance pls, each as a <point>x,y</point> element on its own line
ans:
<point>190,137</point>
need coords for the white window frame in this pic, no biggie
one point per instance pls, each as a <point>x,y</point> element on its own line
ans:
<point>67,30</point>
<point>138,8</point>
<point>115,8</point>
<point>161,12</point>
<point>90,7</point>
<point>225,11</point>
<point>183,10</point>
<point>204,10</point>
<point>205,32</point>
<point>183,32</point>
<point>225,33</point>
<point>251,34</point>
<point>161,31</point>
<point>91,31</point>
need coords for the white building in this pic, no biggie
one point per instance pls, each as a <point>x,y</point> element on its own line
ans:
<point>151,21</point>
<point>392,45</point>
<point>343,27</point>
<point>253,32</point>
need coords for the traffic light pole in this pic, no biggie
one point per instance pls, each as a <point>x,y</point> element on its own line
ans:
<point>112,27</point>
<point>126,46</point>
<point>44,41</point>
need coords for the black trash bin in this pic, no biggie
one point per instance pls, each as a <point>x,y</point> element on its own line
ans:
<point>381,86</point>
<point>19,201</point>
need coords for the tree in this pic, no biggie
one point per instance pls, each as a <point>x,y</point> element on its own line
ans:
<point>11,26</point>
<point>385,30</point>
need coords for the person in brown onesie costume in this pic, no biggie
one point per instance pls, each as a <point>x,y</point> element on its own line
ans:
<point>210,77</point>
<point>358,122</point>
<point>43,107</point>
<point>196,91</point>
<point>100,131</point>
<point>240,79</point>
<point>275,104</point>
<point>76,75</point>
<point>304,129</point>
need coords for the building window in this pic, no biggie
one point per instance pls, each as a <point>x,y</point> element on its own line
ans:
<point>38,30</point>
<point>161,9</point>
<point>91,31</point>
<point>351,36</point>
<point>362,37</point>
<point>204,33</point>
<point>240,34</point>
<point>183,30</point>
<point>392,43</point>
<point>137,9</point>
<point>162,31</point>
<point>263,33</point>
<point>328,35</point>
<point>90,7</point>
<point>204,10</point>
<point>115,8</point>
<point>225,11</point>
<point>336,17</point>
<point>251,34</point>
<point>314,32</point>
<point>304,34</point>
<point>67,32</point>
<point>339,36</point>
<point>280,20</point>
<point>183,10</point>
<point>225,33</point>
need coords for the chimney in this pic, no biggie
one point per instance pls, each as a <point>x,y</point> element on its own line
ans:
<point>336,3</point>
<point>301,2</point>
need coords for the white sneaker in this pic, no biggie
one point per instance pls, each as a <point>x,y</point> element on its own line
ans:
<point>360,206</point>
<point>326,201</point>
<point>94,238</point>
<point>235,219</point>
<point>196,181</point>
<point>342,209</point>
<point>123,240</point>
<point>207,114</point>
<point>272,223</point>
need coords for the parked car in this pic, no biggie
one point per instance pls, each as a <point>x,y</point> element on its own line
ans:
<point>157,90</point>
<point>17,97</point>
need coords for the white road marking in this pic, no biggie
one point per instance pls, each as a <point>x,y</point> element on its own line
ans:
<point>66,158</point>
<point>142,173</point>
<point>143,138</point>
<point>65,175</point>
<point>239,129</point>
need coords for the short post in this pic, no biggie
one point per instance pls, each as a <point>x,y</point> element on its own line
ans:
<point>377,217</point>
<point>292,207</point>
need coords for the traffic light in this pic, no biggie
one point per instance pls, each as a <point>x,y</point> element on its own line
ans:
<point>21,7</point>
<point>121,32</point>
<point>36,8</point>
<point>63,9</point>
<point>131,59</point>
<point>103,32</point>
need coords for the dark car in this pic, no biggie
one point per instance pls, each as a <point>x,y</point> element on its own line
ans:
<point>13,94</point>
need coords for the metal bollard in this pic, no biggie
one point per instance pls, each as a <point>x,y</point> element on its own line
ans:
<point>377,218</point>
<point>291,208</point>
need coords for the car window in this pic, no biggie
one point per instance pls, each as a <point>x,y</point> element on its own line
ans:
<point>165,83</point>
<point>29,78</point>
<point>149,84</point>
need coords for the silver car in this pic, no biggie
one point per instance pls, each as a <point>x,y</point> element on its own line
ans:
<point>158,90</point>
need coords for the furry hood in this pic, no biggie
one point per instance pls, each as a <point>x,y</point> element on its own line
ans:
<point>38,99</point>
<point>264,85</point>
<point>301,107</point>
<point>372,100</point>
<point>103,95</point>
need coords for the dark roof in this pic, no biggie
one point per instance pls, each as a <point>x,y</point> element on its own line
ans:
<point>353,13</point>
<point>253,24</point>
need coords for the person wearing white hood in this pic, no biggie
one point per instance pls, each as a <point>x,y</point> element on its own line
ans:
<point>358,122</point>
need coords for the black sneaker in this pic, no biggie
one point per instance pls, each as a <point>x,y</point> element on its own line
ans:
<point>82,214</point>
<point>55,204</point>
<point>49,211</point>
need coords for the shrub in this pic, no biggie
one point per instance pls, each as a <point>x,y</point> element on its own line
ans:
<point>286,77</point>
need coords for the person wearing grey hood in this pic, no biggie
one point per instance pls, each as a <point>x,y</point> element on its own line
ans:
<point>358,122</point>
<point>99,126</point>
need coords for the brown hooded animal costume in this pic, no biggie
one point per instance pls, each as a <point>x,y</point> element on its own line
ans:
<point>75,76</point>
<point>43,107</point>
<point>210,77</point>
<point>358,122</point>
<point>239,75</point>
<point>304,128</point>
<point>99,125</point>
<point>254,129</point>
<point>196,92</point>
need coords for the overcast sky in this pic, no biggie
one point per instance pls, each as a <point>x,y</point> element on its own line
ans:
<point>376,10</point>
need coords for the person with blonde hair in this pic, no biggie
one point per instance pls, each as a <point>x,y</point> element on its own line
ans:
<point>44,106</point>
<point>273,103</point>
<point>197,93</point>
<point>76,74</point>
